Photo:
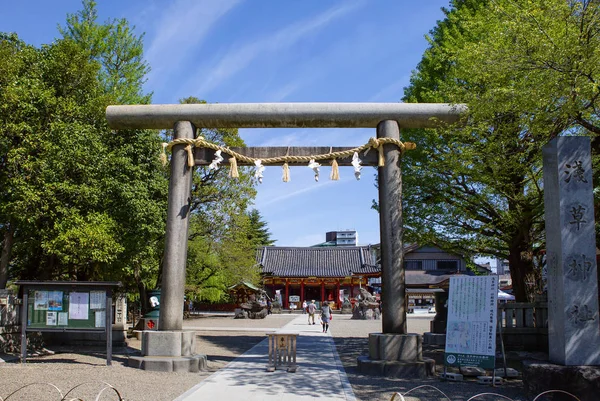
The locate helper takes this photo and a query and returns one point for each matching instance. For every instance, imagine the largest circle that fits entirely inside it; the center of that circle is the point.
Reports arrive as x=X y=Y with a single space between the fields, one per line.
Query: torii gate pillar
x=393 y=353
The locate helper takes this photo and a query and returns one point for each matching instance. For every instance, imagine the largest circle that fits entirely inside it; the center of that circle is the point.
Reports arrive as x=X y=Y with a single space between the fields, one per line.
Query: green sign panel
x=457 y=360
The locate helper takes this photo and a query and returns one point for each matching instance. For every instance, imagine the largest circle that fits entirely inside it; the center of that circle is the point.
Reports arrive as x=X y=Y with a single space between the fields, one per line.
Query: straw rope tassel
x=233 y=171
x=286 y=167
x=190 y=155
x=286 y=172
x=381 y=162
x=335 y=172
x=163 y=155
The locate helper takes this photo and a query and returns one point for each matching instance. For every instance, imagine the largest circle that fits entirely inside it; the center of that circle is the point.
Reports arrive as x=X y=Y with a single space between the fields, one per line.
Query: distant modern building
x=502 y=267
x=342 y=238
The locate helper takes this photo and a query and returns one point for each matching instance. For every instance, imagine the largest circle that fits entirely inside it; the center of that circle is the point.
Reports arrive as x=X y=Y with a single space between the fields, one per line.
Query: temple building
x=316 y=273
x=335 y=273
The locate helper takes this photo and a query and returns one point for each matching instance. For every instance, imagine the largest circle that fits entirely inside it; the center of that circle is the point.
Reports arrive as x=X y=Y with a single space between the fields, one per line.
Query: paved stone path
x=319 y=375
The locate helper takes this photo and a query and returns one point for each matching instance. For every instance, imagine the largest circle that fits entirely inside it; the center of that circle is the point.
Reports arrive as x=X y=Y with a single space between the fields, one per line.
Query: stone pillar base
x=396 y=355
x=169 y=351
x=434 y=339
x=397 y=369
x=581 y=381
x=396 y=347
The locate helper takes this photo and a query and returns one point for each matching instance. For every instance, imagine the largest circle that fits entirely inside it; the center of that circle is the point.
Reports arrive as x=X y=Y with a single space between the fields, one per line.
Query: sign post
x=471 y=329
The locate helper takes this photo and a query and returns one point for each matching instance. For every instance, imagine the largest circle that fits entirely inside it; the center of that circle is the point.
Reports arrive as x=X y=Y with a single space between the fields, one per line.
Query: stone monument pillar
x=573 y=326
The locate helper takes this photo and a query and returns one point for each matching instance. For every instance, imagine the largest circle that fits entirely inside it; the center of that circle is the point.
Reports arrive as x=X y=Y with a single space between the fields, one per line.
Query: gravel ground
x=222 y=339
x=67 y=369
x=351 y=340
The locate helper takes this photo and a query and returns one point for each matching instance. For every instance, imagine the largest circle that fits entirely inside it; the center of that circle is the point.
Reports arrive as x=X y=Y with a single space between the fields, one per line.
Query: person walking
x=312 y=309
x=326 y=316
x=304 y=305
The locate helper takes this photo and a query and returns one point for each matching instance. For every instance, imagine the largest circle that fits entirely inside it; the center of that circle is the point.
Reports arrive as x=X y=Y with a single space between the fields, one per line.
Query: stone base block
x=488 y=380
x=168 y=343
x=193 y=363
x=452 y=377
x=510 y=372
x=395 y=347
x=581 y=381
x=434 y=339
x=471 y=371
x=397 y=369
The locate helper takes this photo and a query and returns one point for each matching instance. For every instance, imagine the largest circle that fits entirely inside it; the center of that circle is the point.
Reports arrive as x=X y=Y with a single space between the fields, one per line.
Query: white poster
x=40 y=301
x=50 y=318
x=97 y=300
x=100 y=318
x=471 y=327
x=79 y=304
x=63 y=318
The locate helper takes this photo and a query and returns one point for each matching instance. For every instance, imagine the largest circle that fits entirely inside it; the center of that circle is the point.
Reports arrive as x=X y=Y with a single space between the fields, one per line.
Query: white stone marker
x=573 y=324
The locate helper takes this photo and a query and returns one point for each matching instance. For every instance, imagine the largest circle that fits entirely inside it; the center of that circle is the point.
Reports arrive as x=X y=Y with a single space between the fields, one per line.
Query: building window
x=447 y=264
x=413 y=264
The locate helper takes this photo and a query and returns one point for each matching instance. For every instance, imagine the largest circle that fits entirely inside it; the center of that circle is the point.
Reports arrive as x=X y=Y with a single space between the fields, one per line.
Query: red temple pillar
x=301 y=291
x=322 y=290
x=337 y=295
x=286 y=302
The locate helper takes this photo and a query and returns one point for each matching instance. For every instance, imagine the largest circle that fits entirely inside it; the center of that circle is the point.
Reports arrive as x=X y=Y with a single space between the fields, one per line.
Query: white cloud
x=392 y=92
x=294 y=194
x=183 y=27
x=239 y=58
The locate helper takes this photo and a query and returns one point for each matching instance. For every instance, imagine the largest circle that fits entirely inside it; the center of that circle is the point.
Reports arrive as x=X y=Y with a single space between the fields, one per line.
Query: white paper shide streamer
x=315 y=167
x=214 y=165
x=356 y=164
x=258 y=174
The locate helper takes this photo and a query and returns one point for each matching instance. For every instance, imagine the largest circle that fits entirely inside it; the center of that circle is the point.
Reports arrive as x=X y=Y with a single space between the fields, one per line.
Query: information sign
x=471 y=327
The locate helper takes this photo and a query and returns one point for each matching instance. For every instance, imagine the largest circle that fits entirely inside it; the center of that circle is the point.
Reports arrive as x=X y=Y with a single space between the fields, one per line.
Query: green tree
x=527 y=70
x=258 y=232
x=139 y=201
x=78 y=200
x=117 y=49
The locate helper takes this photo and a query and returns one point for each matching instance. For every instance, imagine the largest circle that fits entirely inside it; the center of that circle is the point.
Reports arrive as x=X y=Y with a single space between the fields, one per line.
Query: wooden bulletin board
x=61 y=306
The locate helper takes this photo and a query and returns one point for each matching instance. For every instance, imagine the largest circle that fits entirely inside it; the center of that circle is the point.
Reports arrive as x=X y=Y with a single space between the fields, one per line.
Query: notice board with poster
x=471 y=324
x=57 y=306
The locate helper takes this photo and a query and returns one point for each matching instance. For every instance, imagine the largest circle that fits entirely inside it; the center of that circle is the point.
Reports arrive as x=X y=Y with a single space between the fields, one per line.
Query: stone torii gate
x=175 y=347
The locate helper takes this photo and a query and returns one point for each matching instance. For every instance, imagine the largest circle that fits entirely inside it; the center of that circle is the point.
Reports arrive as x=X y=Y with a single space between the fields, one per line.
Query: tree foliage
x=528 y=71
x=116 y=47
x=79 y=201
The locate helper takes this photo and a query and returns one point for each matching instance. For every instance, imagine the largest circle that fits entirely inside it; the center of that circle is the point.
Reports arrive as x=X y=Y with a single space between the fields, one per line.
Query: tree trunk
x=521 y=271
x=141 y=289
x=520 y=256
x=7 y=244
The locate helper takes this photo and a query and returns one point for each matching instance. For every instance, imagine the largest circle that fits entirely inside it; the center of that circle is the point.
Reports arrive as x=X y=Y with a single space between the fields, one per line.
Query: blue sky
x=273 y=51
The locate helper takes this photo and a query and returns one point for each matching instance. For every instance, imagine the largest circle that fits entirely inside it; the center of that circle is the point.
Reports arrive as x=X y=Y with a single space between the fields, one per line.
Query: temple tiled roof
x=339 y=261
x=431 y=277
